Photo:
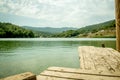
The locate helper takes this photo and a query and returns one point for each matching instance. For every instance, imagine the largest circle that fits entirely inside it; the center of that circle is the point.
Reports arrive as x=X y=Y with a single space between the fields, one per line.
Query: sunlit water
x=37 y=54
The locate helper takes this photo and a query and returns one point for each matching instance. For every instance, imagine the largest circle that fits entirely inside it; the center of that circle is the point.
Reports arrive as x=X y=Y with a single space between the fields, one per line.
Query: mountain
x=49 y=29
x=8 y=30
x=105 y=29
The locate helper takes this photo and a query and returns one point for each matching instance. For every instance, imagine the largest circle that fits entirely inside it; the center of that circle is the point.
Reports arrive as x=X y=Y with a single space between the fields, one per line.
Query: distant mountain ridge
x=101 y=30
x=49 y=29
x=105 y=29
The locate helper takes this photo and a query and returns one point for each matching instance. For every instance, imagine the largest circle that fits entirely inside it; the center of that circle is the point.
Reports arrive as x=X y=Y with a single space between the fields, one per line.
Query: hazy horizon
x=56 y=13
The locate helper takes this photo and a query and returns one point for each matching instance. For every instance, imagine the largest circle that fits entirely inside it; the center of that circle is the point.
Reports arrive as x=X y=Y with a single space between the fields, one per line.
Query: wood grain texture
x=81 y=71
x=22 y=76
x=40 y=77
x=61 y=73
x=104 y=59
x=117 y=11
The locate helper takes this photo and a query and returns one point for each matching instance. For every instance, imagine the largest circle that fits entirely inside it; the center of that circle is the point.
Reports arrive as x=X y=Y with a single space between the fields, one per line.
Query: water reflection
x=9 y=46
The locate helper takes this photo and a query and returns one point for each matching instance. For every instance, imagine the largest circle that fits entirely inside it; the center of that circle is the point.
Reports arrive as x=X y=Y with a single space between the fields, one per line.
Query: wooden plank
x=117 y=10
x=81 y=57
x=86 y=51
x=76 y=76
x=22 y=76
x=112 y=60
x=99 y=58
x=114 y=52
x=104 y=59
x=89 y=61
x=40 y=77
x=81 y=71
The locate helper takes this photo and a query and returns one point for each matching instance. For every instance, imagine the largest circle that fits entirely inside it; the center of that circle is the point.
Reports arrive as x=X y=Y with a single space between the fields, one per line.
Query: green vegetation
x=8 y=30
x=68 y=33
x=42 y=34
x=102 y=30
x=106 y=29
x=49 y=29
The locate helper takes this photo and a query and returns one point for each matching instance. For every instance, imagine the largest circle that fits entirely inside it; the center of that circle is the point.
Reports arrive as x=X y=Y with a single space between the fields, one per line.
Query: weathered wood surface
x=104 y=59
x=22 y=76
x=117 y=10
x=40 y=77
x=60 y=73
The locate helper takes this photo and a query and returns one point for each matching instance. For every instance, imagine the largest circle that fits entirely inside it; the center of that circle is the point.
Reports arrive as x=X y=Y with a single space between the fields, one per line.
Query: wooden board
x=40 y=77
x=104 y=59
x=60 y=73
x=86 y=72
x=22 y=76
x=117 y=11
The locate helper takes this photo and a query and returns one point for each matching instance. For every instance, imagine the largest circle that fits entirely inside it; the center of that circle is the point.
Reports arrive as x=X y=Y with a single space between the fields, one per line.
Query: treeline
x=42 y=34
x=106 y=29
x=49 y=29
x=86 y=30
x=8 y=30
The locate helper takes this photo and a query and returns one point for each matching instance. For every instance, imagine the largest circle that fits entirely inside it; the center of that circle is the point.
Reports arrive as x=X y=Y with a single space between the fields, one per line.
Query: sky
x=56 y=13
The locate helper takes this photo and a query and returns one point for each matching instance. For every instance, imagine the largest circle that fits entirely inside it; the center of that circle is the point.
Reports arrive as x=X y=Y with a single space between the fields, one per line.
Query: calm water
x=36 y=54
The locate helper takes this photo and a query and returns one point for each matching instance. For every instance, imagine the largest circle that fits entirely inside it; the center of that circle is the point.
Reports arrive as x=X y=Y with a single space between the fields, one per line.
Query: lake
x=18 y=55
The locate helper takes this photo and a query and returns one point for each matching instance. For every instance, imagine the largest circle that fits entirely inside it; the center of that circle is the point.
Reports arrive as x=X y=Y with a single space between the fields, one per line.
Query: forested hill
x=8 y=30
x=49 y=29
x=105 y=29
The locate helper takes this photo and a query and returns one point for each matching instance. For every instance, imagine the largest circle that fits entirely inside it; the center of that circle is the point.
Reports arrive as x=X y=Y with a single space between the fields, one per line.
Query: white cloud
x=61 y=12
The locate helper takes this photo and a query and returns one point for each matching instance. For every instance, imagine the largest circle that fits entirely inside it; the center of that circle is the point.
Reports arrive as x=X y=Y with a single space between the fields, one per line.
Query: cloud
x=61 y=12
